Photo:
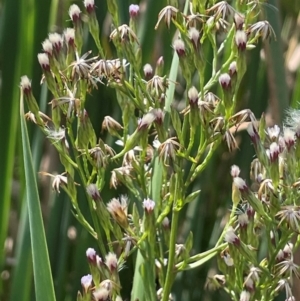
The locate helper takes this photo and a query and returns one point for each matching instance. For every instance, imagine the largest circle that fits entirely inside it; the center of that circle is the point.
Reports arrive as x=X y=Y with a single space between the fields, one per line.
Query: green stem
x=170 y=269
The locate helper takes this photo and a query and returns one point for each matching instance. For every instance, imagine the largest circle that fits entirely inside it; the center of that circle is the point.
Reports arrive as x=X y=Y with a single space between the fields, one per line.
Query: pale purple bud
x=148 y=71
x=134 y=10
x=25 y=84
x=252 y=131
x=47 y=47
x=148 y=205
x=91 y=256
x=86 y=282
x=194 y=36
x=289 y=138
x=274 y=152
x=241 y=39
x=235 y=171
x=273 y=132
x=193 y=97
x=231 y=237
x=89 y=5
x=111 y=261
x=245 y=296
x=232 y=69
x=243 y=220
x=240 y=184
x=225 y=81
x=74 y=12
x=44 y=61
x=56 y=40
x=239 y=20
x=179 y=47
x=93 y=192
x=69 y=34
x=166 y=223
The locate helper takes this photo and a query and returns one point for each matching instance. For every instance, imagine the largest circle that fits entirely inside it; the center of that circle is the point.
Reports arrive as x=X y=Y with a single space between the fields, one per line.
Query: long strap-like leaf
x=44 y=290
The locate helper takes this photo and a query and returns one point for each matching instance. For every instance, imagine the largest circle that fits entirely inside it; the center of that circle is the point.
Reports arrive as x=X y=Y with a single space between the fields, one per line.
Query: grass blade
x=44 y=289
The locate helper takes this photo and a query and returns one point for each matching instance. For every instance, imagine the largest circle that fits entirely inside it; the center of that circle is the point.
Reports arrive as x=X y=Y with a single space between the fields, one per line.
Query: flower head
x=86 y=282
x=225 y=81
x=111 y=261
x=91 y=256
x=74 y=13
x=134 y=10
x=148 y=205
x=231 y=237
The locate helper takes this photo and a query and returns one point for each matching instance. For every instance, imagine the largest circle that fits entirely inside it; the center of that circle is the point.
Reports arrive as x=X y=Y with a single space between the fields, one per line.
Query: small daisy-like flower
x=69 y=34
x=146 y=121
x=253 y=133
x=111 y=261
x=93 y=192
x=262 y=29
x=249 y=284
x=273 y=132
x=25 y=85
x=241 y=39
x=168 y=13
x=240 y=184
x=89 y=5
x=91 y=256
x=101 y=294
x=148 y=205
x=273 y=152
x=243 y=220
x=166 y=223
x=74 y=13
x=118 y=209
x=148 y=71
x=232 y=69
x=225 y=81
x=289 y=138
x=235 y=171
x=86 y=282
x=193 y=96
x=47 y=47
x=44 y=61
x=134 y=10
x=239 y=20
x=245 y=296
x=56 y=40
x=194 y=36
x=179 y=47
x=231 y=237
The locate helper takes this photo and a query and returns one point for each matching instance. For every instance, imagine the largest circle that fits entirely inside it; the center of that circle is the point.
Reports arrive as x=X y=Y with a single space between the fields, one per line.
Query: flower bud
x=241 y=40
x=91 y=256
x=225 y=81
x=86 y=282
x=148 y=205
x=93 y=192
x=111 y=261
x=134 y=10
x=148 y=71
x=179 y=47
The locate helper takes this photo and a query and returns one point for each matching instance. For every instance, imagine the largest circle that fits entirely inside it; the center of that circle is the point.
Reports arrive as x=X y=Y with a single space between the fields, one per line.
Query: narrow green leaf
x=44 y=289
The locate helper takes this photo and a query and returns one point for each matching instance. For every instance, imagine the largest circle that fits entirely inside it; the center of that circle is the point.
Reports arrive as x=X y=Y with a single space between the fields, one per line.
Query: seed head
x=168 y=13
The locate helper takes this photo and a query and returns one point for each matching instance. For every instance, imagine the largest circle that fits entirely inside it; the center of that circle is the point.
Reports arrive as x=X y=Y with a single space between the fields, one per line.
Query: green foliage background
x=267 y=87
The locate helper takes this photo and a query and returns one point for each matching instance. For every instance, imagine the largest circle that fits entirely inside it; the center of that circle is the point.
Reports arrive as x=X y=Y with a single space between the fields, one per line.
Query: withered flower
x=168 y=13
